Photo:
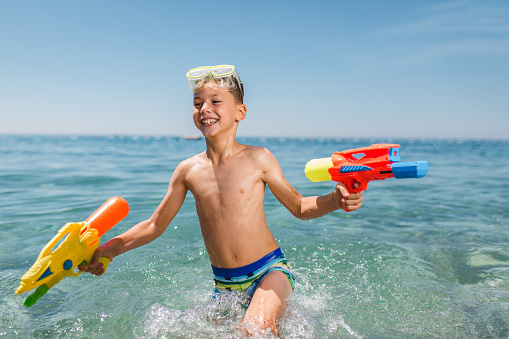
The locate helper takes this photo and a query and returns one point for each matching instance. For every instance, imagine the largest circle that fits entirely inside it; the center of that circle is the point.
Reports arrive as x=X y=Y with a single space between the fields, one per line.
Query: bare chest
x=226 y=186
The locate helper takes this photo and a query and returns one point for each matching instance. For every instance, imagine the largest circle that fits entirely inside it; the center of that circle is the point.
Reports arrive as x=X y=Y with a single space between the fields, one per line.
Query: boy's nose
x=205 y=107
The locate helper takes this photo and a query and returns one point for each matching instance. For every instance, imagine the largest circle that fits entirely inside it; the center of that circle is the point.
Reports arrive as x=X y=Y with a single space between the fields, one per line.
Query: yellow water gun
x=74 y=244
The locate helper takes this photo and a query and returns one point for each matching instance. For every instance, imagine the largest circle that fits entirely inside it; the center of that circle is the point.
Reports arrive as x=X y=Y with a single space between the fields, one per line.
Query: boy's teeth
x=208 y=121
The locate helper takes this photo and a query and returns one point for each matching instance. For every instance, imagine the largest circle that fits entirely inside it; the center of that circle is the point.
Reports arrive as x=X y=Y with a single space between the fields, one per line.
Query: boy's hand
x=346 y=200
x=95 y=267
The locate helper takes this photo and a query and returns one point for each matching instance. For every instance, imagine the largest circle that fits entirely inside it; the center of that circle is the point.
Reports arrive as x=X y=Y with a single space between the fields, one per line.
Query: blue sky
x=425 y=69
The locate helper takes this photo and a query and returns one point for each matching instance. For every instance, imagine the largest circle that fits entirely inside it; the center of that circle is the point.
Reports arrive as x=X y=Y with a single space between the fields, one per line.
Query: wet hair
x=238 y=91
x=232 y=84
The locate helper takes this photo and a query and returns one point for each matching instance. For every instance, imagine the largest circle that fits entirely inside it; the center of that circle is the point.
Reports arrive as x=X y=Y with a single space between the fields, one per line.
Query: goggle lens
x=196 y=76
x=216 y=71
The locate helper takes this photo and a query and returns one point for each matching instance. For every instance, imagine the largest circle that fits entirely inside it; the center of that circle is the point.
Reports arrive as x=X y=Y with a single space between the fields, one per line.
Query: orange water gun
x=361 y=165
x=74 y=244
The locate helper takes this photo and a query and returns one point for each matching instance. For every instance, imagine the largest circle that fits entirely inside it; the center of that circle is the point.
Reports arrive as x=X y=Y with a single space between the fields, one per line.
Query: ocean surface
x=423 y=258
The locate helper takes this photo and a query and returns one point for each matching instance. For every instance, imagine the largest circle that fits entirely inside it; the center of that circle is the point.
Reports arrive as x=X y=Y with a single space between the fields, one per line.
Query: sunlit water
x=423 y=257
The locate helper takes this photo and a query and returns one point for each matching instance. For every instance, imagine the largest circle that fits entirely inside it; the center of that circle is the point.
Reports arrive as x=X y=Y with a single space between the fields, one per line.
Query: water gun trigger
x=353 y=188
x=102 y=260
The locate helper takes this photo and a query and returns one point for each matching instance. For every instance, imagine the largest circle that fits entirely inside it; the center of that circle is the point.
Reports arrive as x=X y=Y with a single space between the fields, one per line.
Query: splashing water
x=223 y=318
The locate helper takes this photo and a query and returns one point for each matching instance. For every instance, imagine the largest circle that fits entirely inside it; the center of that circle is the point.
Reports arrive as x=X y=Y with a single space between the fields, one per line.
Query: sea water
x=422 y=258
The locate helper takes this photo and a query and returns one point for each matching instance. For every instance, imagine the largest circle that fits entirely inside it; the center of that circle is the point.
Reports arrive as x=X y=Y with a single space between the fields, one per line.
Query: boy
x=228 y=183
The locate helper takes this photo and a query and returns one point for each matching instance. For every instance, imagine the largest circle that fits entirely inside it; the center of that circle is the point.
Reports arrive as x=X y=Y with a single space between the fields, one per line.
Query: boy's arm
x=305 y=207
x=145 y=231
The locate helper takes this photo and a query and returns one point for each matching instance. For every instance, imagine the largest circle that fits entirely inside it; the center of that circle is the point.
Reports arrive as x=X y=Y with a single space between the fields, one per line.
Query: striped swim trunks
x=247 y=278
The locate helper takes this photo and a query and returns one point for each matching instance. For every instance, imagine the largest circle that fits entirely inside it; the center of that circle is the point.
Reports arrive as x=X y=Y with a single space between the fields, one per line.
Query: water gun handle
x=103 y=260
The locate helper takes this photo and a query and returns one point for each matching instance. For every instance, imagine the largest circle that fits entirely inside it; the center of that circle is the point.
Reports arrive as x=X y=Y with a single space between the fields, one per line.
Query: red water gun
x=361 y=165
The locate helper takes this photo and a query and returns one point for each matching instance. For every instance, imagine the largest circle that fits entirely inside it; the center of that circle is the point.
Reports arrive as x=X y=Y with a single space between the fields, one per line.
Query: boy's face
x=215 y=111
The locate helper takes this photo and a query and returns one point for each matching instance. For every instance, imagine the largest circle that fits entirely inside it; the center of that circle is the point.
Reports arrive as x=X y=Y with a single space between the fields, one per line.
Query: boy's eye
x=216 y=101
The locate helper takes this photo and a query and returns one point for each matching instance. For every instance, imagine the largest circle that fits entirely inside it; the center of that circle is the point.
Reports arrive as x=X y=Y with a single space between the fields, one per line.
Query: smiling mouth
x=208 y=121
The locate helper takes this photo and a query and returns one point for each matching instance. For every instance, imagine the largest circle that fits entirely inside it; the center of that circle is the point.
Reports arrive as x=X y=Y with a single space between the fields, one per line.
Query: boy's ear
x=241 y=112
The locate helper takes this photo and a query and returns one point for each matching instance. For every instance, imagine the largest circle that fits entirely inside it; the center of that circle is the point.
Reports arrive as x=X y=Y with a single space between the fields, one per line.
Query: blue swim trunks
x=247 y=278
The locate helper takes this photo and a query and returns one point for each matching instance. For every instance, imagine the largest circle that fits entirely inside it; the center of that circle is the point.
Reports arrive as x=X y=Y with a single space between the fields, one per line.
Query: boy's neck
x=219 y=149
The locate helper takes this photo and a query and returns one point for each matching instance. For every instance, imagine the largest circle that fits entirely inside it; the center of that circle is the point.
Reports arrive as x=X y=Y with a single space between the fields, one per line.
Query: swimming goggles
x=225 y=75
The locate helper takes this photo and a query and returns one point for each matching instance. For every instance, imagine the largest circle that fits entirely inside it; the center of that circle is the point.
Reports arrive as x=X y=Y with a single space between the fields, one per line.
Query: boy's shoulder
x=256 y=152
x=188 y=167
x=195 y=159
x=261 y=158
x=254 y=149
